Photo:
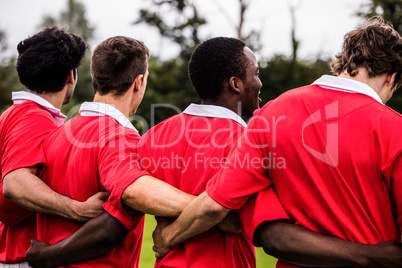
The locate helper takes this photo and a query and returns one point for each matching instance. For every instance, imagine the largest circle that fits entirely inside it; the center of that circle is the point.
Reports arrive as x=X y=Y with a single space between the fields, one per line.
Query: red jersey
x=333 y=153
x=186 y=151
x=94 y=152
x=22 y=129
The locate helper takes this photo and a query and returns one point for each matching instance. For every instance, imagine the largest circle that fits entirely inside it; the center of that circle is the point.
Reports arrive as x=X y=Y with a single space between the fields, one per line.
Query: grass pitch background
x=148 y=256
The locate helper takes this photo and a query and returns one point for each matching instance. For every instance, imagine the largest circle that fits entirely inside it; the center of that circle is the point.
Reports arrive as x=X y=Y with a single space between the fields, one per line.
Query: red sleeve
x=22 y=148
x=119 y=166
x=22 y=145
x=129 y=220
x=261 y=207
x=245 y=172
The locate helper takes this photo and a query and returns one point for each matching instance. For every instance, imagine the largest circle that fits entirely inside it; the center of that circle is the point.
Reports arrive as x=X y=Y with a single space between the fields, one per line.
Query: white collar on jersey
x=22 y=96
x=346 y=85
x=102 y=109
x=213 y=111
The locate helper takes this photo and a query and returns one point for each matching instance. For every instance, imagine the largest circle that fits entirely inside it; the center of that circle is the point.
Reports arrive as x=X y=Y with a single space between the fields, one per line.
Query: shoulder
x=27 y=116
x=172 y=123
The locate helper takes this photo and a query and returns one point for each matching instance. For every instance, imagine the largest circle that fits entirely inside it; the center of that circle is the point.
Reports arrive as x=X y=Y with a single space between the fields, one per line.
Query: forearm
x=95 y=238
x=28 y=191
x=155 y=197
x=231 y=224
x=300 y=246
x=199 y=216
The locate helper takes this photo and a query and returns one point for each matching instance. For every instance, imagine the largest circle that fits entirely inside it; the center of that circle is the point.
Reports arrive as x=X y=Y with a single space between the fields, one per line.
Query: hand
x=91 y=208
x=386 y=254
x=231 y=224
x=34 y=255
x=160 y=246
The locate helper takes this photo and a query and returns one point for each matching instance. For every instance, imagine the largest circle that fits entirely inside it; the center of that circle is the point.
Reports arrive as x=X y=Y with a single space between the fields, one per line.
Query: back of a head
x=46 y=59
x=214 y=62
x=115 y=64
x=374 y=46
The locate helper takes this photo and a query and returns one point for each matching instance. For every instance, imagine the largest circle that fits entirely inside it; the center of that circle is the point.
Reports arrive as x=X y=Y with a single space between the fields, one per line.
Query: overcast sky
x=321 y=24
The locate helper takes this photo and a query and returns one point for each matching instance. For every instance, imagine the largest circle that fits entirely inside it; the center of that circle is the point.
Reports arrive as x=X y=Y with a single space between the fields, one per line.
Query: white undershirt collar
x=22 y=96
x=346 y=85
x=103 y=109
x=213 y=111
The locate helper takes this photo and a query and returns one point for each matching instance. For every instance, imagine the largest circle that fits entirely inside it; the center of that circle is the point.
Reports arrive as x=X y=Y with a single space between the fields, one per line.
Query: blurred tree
x=8 y=75
x=253 y=38
x=390 y=10
x=294 y=71
x=3 y=43
x=169 y=92
x=74 y=20
x=9 y=82
x=277 y=76
x=184 y=30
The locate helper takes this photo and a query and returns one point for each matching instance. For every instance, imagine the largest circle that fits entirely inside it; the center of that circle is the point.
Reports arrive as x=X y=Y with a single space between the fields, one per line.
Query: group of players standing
x=81 y=190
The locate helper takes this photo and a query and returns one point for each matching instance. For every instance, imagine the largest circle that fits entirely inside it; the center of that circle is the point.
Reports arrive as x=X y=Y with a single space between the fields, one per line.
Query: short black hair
x=214 y=62
x=46 y=59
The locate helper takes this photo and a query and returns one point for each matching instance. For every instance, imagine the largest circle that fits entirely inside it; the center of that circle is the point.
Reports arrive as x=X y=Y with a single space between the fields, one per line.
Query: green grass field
x=148 y=257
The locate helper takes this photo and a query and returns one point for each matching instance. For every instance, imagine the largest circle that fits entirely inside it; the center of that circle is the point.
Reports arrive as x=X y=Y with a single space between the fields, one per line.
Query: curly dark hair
x=214 y=62
x=46 y=59
x=115 y=64
x=374 y=46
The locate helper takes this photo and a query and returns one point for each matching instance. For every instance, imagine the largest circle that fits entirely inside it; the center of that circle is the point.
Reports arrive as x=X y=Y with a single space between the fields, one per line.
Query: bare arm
x=199 y=216
x=152 y=196
x=24 y=188
x=300 y=246
x=95 y=238
x=102 y=234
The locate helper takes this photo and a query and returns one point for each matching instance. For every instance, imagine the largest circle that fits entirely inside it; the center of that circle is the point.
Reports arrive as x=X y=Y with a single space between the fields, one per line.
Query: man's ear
x=391 y=79
x=71 y=77
x=138 y=82
x=235 y=84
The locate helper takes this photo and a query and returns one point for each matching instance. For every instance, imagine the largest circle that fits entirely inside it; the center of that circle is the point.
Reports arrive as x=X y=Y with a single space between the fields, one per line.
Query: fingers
x=159 y=247
x=158 y=256
x=162 y=222
x=103 y=195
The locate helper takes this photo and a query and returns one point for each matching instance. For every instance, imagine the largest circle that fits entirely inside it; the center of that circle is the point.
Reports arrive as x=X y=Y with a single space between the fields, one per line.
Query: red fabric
x=331 y=156
x=87 y=155
x=186 y=151
x=22 y=130
x=261 y=207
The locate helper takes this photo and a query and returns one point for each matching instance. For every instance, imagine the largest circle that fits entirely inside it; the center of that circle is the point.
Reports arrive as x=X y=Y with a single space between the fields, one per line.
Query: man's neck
x=376 y=83
x=120 y=103
x=54 y=98
x=231 y=105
